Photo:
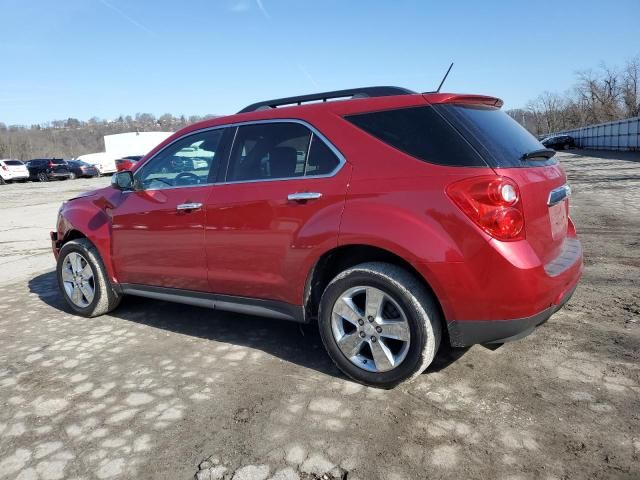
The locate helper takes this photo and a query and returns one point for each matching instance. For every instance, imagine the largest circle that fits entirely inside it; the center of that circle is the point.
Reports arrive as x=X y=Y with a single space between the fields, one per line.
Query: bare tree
x=631 y=87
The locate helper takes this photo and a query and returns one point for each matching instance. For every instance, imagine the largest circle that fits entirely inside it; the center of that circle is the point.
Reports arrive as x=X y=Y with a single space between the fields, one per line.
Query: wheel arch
x=72 y=234
x=338 y=259
x=87 y=221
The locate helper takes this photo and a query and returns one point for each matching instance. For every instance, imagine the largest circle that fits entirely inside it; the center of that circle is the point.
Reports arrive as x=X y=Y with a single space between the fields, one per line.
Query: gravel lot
x=155 y=389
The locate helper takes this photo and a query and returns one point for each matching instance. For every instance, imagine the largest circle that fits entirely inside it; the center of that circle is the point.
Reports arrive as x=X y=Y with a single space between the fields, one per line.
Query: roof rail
x=350 y=93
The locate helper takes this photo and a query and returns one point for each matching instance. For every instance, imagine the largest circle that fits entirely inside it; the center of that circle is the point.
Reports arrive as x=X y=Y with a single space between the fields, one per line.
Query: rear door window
x=279 y=150
x=420 y=132
x=322 y=160
x=501 y=140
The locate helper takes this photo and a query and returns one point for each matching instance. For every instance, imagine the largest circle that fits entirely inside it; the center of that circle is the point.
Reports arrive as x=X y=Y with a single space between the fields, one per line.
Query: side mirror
x=122 y=180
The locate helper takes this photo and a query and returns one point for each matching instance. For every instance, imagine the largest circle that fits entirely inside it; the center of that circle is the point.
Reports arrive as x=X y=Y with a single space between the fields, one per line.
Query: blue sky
x=84 y=58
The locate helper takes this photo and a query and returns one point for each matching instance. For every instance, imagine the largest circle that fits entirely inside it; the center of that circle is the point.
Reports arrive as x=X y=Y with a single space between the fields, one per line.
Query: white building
x=122 y=145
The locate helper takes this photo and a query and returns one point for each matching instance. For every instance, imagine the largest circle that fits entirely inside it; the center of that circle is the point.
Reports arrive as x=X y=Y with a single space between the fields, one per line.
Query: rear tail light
x=493 y=203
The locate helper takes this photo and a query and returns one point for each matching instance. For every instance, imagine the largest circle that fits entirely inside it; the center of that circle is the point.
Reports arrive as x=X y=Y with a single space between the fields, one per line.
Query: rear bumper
x=9 y=176
x=471 y=332
x=58 y=175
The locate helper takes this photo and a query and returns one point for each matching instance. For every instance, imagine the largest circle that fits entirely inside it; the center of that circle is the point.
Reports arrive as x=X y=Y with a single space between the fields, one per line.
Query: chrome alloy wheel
x=78 y=281
x=370 y=328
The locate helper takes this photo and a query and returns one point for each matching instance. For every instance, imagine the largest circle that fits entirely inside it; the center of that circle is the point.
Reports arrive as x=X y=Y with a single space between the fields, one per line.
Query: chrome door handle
x=303 y=196
x=189 y=206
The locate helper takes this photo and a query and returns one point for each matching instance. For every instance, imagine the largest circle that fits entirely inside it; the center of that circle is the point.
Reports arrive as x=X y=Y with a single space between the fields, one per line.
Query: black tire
x=106 y=298
x=2 y=182
x=420 y=309
x=72 y=176
x=42 y=177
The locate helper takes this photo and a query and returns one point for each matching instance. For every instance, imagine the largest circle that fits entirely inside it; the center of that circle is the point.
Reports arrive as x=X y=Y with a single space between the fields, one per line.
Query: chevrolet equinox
x=397 y=221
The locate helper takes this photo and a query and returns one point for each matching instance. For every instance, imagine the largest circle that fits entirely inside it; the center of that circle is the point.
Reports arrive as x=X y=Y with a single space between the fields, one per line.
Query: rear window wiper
x=542 y=153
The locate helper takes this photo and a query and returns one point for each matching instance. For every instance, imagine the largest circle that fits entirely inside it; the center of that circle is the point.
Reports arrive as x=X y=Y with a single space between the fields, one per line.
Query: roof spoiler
x=464 y=99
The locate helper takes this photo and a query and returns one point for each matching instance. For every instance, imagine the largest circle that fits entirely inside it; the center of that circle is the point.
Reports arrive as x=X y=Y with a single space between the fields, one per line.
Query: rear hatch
x=513 y=152
x=58 y=166
x=16 y=167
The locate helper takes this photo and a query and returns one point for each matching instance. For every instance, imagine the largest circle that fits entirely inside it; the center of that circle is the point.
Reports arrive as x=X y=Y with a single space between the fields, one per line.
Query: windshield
x=501 y=140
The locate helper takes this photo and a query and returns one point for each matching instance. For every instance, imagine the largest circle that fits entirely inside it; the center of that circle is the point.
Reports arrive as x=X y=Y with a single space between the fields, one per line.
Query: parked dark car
x=127 y=163
x=45 y=169
x=559 y=142
x=80 y=169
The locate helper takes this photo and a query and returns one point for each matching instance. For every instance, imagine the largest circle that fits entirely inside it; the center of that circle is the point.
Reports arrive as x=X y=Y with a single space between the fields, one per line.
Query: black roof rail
x=362 y=92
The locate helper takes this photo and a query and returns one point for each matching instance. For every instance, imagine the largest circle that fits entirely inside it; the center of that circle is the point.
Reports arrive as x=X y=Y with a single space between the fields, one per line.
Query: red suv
x=395 y=220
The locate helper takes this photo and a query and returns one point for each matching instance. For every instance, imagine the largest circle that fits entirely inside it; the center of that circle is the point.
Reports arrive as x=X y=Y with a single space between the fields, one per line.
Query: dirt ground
x=155 y=389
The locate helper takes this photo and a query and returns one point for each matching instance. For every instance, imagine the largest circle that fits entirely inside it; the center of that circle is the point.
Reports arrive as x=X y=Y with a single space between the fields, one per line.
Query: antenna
x=445 y=77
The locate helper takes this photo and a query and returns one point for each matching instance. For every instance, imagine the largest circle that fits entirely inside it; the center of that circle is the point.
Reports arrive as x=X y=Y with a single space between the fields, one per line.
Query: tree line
x=72 y=137
x=599 y=95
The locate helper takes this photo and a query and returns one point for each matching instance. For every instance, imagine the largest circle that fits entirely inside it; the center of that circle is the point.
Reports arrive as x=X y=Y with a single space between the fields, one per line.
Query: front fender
x=90 y=216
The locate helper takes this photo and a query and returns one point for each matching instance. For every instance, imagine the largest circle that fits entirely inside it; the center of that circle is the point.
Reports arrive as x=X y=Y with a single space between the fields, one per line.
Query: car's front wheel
x=42 y=177
x=83 y=280
x=379 y=324
x=72 y=176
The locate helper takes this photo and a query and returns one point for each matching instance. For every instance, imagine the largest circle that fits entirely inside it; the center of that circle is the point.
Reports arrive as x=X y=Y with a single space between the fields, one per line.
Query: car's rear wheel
x=72 y=176
x=379 y=324
x=566 y=146
x=2 y=182
x=42 y=177
x=83 y=280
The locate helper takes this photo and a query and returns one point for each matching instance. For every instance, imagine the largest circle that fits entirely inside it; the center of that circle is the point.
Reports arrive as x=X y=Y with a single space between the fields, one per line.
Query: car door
x=158 y=229
x=280 y=204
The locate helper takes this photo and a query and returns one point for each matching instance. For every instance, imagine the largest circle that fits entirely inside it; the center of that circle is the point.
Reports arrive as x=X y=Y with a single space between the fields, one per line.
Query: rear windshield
x=420 y=132
x=58 y=161
x=499 y=138
x=15 y=163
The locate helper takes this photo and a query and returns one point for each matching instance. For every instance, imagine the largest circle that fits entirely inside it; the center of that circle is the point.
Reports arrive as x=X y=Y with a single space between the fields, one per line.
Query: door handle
x=188 y=206
x=303 y=196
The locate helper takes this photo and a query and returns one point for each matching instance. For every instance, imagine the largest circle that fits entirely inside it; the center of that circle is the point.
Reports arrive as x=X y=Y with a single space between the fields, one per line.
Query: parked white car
x=13 y=170
x=103 y=161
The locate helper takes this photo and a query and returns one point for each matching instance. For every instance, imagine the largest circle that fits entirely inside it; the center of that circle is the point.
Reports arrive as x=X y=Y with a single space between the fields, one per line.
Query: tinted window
x=269 y=151
x=191 y=160
x=499 y=137
x=58 y=161
x=15 y=163
x=322 y=160
x=420 y=132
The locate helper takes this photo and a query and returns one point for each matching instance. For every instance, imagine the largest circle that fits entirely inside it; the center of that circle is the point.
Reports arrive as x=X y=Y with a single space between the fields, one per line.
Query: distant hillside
x=72 y=137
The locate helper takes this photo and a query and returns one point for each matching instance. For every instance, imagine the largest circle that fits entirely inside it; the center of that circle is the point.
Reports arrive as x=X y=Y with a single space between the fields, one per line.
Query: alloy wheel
x=43 y=177
x=78 y=280
x=370 y=329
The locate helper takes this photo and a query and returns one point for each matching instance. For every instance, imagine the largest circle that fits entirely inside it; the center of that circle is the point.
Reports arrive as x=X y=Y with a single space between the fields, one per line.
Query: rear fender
x=428 y=239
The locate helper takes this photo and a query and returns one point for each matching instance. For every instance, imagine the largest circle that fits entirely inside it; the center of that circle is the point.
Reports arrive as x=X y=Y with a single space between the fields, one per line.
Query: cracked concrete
x=165 y=391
